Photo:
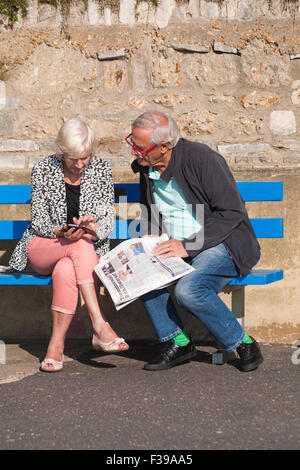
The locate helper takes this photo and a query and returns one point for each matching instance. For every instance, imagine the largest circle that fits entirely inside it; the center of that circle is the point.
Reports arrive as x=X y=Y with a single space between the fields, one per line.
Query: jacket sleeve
x=40 y=215
x=105 y=210
x=223 y=209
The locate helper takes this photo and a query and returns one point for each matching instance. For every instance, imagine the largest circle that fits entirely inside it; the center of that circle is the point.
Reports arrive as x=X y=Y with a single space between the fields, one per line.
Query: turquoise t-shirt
x=178 y=218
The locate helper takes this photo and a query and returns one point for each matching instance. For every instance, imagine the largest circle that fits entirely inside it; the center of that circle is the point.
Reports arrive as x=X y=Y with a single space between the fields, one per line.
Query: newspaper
x=130 y=270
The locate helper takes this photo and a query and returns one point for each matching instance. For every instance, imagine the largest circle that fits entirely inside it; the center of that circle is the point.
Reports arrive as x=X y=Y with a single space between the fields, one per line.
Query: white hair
x=74 y=138
x=164 y=127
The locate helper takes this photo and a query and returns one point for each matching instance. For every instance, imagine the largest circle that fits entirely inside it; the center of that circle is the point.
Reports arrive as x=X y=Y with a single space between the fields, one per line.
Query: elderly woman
x=70 y=187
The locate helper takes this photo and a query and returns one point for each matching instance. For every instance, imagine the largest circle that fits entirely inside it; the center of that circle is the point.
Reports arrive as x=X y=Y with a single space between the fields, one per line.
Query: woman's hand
x=71 y=234
x=89 y=222
x=74 y=234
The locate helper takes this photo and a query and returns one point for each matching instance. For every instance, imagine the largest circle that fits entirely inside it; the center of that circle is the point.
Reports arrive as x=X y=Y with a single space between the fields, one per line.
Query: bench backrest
x=250 y=191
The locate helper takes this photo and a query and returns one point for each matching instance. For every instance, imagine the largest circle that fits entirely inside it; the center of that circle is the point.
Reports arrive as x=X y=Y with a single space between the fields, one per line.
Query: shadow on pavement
x=140 y=350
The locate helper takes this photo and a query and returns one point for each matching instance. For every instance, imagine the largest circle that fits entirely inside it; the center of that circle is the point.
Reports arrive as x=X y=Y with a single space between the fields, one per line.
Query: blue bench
x=129 y=192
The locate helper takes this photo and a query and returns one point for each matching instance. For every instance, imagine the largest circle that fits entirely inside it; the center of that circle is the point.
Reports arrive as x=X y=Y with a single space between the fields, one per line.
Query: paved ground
x=108 y=402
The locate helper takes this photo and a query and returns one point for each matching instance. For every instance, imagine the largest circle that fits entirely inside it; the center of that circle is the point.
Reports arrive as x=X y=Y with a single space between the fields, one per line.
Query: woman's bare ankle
x=55 y=352
x=105 y=333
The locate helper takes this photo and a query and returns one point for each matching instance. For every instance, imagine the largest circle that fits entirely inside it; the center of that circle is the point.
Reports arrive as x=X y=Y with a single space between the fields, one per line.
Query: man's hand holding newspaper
x=131 y=269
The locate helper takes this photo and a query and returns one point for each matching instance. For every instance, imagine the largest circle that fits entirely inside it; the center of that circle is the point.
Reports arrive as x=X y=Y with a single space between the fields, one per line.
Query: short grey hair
x=74 y=138
x=164 y=127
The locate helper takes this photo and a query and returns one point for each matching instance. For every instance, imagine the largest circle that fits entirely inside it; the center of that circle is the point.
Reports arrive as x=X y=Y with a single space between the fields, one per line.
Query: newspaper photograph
x=130 y=270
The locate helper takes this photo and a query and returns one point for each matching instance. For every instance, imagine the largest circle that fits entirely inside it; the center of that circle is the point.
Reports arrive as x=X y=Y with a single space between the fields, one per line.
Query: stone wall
x=227 y=71
x=233 y=83
x=133 y=12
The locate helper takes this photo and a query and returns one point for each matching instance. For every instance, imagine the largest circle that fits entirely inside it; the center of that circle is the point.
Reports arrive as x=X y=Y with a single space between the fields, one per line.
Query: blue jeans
x=197 y=293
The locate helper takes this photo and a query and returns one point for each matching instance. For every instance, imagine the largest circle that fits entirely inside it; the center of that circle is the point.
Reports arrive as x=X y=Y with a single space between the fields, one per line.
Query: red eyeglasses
x=136 y=149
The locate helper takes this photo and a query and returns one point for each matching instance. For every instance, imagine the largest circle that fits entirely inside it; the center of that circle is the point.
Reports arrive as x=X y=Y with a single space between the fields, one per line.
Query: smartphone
x=82 y=227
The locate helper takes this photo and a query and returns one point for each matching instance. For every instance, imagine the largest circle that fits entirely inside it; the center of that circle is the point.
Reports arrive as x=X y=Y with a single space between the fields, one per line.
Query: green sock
x=181 y=339
x=247 y=339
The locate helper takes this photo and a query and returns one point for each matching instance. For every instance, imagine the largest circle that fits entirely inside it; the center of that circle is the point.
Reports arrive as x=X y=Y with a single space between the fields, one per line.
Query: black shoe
x=171 y=356
x=250 y=355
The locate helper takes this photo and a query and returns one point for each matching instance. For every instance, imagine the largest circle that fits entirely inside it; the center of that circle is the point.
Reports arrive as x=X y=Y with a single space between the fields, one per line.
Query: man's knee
x=187 y=292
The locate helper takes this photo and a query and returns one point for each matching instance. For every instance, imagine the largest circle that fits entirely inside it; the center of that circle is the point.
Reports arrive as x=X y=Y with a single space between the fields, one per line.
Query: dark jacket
x=204 y=178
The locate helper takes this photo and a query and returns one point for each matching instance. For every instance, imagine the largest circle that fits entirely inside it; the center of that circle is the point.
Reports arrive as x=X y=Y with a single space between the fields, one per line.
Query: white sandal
x=111 y=347
x=57 y=365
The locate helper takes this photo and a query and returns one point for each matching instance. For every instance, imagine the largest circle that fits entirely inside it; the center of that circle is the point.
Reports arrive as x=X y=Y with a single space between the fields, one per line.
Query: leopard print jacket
x=49 y=204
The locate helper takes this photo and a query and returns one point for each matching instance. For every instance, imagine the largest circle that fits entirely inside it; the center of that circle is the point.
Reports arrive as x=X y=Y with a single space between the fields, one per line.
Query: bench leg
x=238 y=304
x=221 y=356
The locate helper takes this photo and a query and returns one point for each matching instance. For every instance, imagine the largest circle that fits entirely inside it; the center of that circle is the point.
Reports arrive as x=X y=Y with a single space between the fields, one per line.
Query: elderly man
x=190 y=193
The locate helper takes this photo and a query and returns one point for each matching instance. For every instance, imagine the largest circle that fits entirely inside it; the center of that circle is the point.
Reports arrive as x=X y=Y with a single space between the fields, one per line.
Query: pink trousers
x=70 y=263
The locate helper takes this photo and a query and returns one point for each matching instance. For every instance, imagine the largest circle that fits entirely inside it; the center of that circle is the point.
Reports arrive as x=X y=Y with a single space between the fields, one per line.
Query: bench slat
x=250 y=191
x=15 y=194
x=264 y=228
x=130 y=190
x=268 y=227
x=24 y=280
x=261 y=191
x=12 y=229
x=257 y=277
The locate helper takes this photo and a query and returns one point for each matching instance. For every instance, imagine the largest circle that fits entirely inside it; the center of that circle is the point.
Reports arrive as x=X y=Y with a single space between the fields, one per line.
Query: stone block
x=254 y=159
x=294 y=56
x=204 y=70
x=116 y=162
x=229 y=10
x=78 y=14
x=290 y=144
x=209 y=143
x=209 y=10
x=49 y=15
x=112 y=55
x=195 y=123
x=283 y=122
x=296 y=96
x=13 y=145
x=127 y=12
x=113 y=116
x=292 y=159
x=34 y=160
x=140 y=69
x=164 y=12
x=93 y=12
x=2 y=95
x=107 y=16
x=243 y=148
x=11 y=104
x=263 y=68
x=194 y=8
x=191 y=48
x=145 y=12
x=246 y=10
x=12 y=161
x=32 y=12
x=171 y=100
x=6 y=123
x=220 y=47
x=260 y=98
